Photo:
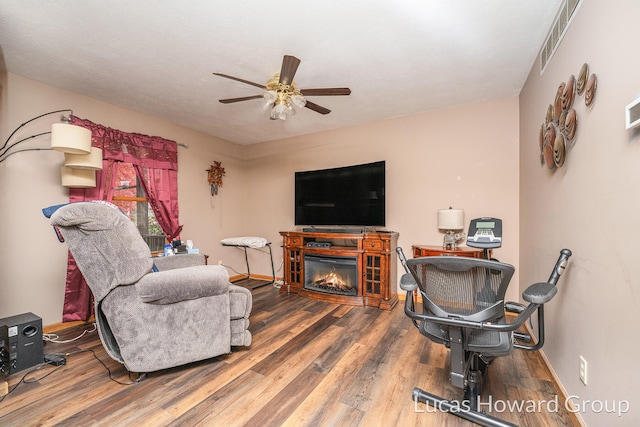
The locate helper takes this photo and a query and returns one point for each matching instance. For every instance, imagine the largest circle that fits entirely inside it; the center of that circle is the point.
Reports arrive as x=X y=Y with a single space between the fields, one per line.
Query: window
x=130 y=197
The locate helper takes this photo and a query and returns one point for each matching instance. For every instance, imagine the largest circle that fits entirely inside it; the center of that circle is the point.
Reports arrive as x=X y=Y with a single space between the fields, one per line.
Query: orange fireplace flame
x=333 y=280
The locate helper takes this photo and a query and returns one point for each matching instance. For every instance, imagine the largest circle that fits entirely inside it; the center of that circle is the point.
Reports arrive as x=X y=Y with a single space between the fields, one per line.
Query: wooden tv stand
x=376 y=264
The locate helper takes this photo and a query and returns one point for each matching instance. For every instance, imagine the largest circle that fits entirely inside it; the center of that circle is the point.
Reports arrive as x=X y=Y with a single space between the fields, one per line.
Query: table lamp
x=451 y=221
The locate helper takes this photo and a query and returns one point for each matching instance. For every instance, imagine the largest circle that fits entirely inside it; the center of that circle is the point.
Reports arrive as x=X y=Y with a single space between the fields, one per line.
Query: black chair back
x=461 y=287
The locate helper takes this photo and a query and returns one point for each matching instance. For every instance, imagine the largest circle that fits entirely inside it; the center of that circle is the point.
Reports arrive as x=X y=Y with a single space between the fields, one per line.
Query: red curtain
x=162 y=194
x=160 y=158
x=78 y=300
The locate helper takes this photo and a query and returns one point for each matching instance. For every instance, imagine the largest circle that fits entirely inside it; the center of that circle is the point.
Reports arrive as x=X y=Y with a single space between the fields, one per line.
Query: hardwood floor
x=310 y=364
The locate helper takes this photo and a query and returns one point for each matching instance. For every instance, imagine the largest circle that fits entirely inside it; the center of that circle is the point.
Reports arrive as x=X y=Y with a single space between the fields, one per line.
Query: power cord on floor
x=59 y=360
x=54 y=338
x=24 y=379
x=141 y=376
x=278 y=283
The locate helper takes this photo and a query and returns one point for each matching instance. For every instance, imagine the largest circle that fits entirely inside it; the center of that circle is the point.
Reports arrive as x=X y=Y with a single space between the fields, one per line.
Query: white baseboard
x=575 y=414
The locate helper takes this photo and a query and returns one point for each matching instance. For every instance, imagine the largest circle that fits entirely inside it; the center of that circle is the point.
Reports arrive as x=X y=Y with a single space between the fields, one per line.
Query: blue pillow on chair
x=51 y=209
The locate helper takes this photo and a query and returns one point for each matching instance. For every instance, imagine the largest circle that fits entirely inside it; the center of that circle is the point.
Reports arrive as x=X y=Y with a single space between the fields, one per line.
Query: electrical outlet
x=219 y=262
x=583 y=370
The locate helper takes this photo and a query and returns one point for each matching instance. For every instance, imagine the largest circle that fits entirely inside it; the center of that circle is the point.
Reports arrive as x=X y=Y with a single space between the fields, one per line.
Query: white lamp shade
x=78 y=178
x=270 y=97
x=451 y=219
x=93 y=160
x=299 y=101
x=70 y=139
x=279 y=111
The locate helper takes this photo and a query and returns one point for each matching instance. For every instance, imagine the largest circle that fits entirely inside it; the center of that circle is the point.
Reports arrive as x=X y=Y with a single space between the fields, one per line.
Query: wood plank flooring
x=310 y=364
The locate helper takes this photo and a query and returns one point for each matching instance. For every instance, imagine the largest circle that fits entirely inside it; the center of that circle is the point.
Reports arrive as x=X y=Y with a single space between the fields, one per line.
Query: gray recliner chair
x=150 y=320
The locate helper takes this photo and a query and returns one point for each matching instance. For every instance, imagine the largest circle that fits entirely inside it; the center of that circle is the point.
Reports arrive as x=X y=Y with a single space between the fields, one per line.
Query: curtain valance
x=138 y=149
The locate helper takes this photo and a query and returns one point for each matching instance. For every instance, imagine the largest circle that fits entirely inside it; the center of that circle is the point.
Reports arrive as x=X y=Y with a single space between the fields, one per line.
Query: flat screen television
x=344 y=196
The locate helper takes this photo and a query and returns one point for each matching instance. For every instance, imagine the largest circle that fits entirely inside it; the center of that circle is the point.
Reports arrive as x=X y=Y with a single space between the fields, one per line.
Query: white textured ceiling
x=398 y=57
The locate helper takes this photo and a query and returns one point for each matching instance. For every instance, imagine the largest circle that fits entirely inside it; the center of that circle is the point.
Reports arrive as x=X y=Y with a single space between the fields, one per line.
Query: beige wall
x=591 y=206
x=465 y=157
x=32 y=262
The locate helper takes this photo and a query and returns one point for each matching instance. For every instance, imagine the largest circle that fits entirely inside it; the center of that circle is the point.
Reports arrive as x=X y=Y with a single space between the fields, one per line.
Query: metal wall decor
x=558 y=132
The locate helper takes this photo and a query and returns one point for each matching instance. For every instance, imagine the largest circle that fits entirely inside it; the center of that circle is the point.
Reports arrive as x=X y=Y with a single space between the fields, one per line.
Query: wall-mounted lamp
x=81 y=159
x=451 y=221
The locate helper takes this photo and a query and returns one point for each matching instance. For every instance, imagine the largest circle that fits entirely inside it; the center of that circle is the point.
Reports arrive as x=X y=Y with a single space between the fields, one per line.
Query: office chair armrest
x=408 y=283
x=540 y=293
x=472 y=324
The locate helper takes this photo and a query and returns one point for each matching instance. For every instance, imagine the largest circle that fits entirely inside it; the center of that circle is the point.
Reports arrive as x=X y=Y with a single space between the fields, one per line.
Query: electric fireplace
x=353 y=267
x=331 y=274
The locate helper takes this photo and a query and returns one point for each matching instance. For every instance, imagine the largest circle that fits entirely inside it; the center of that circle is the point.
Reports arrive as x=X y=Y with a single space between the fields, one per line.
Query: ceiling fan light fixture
x=280 y=95
x=279 y=111
x=270 y=97
x=298 y=100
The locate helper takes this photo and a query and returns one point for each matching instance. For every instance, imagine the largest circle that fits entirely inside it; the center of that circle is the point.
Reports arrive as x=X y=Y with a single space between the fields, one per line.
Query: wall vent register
x=560 y=26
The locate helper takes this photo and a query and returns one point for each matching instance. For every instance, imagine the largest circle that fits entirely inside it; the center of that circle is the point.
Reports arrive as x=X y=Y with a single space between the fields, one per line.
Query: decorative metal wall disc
x=557 y=103
x=559 y=150
x=549 y=135
x=558 y=133
x=582 y=79
x=547 y=145
x=547 y=152
x=562 y=121
x=570 y=125
x=568 y=94
x=590 y=90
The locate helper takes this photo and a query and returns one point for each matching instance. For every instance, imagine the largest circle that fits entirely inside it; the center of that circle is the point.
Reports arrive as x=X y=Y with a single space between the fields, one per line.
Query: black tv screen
x=345 y=196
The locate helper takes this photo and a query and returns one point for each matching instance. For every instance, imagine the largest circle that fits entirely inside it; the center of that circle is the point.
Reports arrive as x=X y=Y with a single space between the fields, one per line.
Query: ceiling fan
x=282 y=95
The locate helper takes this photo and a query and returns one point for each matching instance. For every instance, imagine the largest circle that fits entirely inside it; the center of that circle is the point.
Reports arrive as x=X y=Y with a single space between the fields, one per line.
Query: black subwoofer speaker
x=20 y=342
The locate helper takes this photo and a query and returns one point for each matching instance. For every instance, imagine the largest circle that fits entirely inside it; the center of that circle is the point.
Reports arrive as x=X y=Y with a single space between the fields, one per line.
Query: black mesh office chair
x=463 y=308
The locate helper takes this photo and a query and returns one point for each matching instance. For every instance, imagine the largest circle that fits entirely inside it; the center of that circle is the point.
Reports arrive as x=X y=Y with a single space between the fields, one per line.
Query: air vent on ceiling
x=558 y=30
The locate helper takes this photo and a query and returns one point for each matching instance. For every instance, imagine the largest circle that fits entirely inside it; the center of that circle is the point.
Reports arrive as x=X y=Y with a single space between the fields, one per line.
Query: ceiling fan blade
x=244 y=98
x=289 y=68
x=329 y=91
x=317 y=108
x=241 y=80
